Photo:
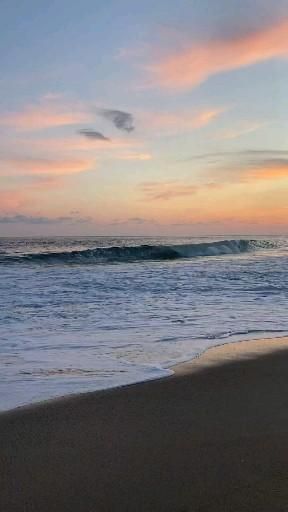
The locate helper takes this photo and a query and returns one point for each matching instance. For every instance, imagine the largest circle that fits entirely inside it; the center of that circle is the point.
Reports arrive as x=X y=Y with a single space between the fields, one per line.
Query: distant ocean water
x=80 y=314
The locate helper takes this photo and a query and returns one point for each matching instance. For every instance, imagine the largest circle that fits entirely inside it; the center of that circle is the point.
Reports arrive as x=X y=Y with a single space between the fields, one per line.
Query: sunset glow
x=182 y=125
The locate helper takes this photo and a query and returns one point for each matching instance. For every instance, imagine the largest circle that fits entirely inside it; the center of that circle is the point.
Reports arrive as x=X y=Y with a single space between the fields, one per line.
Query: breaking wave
x=118 y=254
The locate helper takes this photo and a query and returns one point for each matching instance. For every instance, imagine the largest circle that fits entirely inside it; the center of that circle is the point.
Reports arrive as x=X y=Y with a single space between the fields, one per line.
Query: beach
x=211 y=437
x=143 y=256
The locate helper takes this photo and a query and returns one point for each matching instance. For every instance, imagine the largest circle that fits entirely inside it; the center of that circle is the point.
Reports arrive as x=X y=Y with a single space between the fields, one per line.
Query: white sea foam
x=72 y=328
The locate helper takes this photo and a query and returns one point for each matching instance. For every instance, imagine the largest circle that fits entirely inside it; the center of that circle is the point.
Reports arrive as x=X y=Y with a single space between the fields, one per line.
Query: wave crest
x=118 y=254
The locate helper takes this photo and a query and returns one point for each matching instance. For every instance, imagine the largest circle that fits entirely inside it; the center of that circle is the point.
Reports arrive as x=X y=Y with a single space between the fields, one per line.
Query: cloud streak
x=247 y=172
x=269 y=169
x=135 y=156
x=189 y=67
x=243 y=129
x=155 y=191
x=37 y=166
x=244 y=153
x=173 y=123
x=249 y=167
x=252 y=167
x=77 y=143
x=42 y=116
x=12 y=199
x=89 y=133
x=132 y=220
x=31 y=219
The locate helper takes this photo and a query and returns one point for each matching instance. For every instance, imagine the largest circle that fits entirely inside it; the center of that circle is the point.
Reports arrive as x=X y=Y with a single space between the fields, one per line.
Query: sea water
x=80 y=314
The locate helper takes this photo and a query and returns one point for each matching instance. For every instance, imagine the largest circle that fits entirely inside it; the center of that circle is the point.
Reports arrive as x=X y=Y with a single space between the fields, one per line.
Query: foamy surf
x=80 y=314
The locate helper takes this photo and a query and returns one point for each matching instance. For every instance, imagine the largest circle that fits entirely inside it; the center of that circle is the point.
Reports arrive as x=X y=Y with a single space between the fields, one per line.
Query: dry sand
x=213 y=437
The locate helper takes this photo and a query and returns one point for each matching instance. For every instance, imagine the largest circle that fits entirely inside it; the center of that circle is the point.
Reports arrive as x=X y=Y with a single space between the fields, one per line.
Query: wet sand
x=212 y=437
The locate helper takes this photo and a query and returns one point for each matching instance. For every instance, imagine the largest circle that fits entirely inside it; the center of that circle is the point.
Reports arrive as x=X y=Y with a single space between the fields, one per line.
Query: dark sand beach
x=212 y=437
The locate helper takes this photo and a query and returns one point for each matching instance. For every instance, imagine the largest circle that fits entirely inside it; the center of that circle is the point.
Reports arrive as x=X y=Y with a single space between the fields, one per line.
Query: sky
x=124 y=117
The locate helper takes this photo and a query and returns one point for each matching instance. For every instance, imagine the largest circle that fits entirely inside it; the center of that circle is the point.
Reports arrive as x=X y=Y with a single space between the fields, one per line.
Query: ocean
x=86 y=313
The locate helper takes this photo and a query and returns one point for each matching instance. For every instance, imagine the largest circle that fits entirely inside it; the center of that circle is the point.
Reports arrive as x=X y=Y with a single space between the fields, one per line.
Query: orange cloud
x=180 y=122
x=78 y=143
x=247 y=173
x=271 y=170
x=244 y=129
x=253 y=170
x=192 y=66
x=246 y=166
x=36 y=166
x=43 y=116
x=155 y=190
x=135 y=156
x=10 y=200
x=26 y=193
x=165 y=191
x=45 y=182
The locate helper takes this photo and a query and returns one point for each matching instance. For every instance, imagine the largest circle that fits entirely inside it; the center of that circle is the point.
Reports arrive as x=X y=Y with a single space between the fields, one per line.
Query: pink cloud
x=270 y=170
x=27 y=193
x=180 y=121
x=10 y=200
x=77 y=143
x=251 y=170
x=37 y=166
x=243 y=129
x=167 y=190
x=135 y=156
x=44 y=115
x=190 y=67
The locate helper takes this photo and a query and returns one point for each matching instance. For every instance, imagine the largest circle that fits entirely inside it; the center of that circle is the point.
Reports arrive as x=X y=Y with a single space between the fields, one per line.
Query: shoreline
x=231 y=350
x=197 y=361
x=213 y=436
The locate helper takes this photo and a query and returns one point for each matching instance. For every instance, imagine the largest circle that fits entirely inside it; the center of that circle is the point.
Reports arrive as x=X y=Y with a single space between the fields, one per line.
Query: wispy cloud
x=244 y=128
x=39 y=219
x=77 y=143
x=10 y=200
x=37 y=166
x=122 y=120
x=89 y=133
x=269 y=169
x=132 y=220
x=172 y=123
x=135 y=156
x=156 y=191
x=249 y=166
x=193 y=65
x=246 y=172
x=244 y=153
x=42 y=116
